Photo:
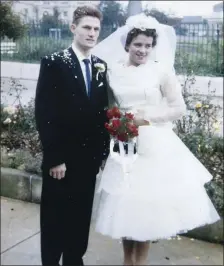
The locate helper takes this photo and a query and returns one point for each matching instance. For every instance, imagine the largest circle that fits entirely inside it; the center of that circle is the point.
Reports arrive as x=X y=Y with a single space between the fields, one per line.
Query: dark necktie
x=88 y=76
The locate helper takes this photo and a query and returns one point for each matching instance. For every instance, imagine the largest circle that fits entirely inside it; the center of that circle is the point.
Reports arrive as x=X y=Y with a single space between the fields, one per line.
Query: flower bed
x=20 y=145
x=199 y=131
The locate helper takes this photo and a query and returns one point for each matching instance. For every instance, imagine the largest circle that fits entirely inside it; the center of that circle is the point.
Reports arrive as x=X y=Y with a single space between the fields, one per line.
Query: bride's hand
x=141 y=122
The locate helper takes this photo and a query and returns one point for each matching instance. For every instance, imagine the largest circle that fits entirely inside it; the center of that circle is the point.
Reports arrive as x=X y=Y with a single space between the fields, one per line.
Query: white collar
x=80 y=55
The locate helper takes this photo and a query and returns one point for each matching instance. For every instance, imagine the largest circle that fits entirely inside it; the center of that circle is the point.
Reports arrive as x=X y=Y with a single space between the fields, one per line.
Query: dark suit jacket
x=70 y=124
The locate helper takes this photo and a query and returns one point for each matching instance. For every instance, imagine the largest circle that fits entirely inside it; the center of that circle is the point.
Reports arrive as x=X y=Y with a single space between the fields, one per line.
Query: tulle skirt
x=161 y=194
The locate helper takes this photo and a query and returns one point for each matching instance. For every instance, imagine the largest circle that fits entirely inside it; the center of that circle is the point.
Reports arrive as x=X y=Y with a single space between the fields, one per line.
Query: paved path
x=20 y=243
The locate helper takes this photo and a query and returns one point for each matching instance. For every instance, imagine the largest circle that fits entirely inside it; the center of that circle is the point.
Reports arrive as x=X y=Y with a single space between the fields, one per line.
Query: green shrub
x=206 y=61
x=11 y=25
x=19 y=137
x=198 y=129
x=21 y=159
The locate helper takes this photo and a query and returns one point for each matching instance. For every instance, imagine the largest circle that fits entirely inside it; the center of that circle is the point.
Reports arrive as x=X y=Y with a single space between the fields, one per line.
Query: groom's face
x=86 y=32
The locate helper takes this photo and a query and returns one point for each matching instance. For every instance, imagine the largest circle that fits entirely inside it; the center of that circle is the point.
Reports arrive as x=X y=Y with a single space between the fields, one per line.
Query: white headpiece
x=142 y=22
x=112 y=49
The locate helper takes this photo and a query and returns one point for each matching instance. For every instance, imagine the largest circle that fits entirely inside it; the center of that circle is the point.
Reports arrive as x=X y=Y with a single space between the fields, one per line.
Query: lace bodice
x=150 y=91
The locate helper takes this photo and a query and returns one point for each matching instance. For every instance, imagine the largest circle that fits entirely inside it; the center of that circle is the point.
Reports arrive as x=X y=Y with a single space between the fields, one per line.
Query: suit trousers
x=65 y=216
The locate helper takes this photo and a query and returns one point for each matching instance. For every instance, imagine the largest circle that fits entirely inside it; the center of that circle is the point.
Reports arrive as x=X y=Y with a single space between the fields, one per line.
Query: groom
x=71 y=98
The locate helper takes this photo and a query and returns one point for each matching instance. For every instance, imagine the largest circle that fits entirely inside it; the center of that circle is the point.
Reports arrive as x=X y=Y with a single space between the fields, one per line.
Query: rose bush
x=200 y=130
x=20 y=145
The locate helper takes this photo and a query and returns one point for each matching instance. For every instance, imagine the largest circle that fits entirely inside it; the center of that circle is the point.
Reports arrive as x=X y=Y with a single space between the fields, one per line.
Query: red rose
x=116 y=123
x=110 y=113
x=122 y=137
x=132 y=129
x=112 y=131
x=130 y=126
x=116 y=112
x=135 y=133
x=107 y=126
x=129 y=116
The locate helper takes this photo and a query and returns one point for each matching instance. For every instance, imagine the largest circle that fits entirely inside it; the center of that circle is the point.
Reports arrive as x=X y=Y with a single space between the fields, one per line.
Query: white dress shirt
x=80 y=57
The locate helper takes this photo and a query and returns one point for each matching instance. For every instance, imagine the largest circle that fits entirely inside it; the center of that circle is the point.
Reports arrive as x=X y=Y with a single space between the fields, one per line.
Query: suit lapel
x=77 y=71
x=94 y=81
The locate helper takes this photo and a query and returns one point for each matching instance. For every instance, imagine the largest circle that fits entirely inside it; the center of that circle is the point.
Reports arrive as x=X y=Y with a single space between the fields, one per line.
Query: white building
x=216 y=15
x=34 y=10
x=195 y=25
x=215 y=20
x=218 y=8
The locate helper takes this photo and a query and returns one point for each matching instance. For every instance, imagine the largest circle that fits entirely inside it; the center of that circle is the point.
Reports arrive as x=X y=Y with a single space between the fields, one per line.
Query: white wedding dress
x=163 y=194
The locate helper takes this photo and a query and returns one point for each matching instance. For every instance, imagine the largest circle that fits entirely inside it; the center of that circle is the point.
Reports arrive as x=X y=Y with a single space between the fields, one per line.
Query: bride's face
x=139 y=49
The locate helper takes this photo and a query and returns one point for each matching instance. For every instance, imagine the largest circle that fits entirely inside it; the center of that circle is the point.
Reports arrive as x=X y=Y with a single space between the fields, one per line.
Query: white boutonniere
x=100 y=69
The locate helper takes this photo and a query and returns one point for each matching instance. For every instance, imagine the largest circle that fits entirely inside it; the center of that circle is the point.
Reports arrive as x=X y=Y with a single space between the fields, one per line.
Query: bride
x=163 y=193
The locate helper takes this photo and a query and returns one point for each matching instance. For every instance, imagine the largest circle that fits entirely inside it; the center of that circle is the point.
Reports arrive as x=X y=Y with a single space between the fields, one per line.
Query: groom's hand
x=58 y=172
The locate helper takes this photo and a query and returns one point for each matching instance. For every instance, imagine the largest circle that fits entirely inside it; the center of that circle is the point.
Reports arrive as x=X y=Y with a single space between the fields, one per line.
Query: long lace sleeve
x=175 y=107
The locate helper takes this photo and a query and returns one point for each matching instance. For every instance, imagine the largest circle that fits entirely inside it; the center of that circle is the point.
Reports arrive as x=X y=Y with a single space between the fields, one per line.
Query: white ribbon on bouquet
x=126 y=160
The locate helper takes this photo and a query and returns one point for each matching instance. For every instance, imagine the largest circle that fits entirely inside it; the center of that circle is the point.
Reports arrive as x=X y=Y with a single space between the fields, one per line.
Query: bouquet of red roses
x=121 y=125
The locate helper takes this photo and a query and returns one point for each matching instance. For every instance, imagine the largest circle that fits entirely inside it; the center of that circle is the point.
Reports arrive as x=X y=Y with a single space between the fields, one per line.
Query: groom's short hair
x=86 y=10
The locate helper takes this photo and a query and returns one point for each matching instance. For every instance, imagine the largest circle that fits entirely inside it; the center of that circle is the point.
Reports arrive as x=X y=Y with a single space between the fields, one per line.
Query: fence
x=199 y=46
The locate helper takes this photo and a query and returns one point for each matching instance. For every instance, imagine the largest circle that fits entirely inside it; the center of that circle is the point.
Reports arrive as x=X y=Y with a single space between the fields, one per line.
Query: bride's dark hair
x=135 y=32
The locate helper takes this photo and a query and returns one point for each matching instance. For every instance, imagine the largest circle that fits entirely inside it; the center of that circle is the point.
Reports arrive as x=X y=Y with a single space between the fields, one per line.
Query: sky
x=182 y=8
